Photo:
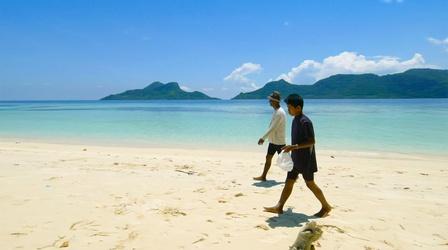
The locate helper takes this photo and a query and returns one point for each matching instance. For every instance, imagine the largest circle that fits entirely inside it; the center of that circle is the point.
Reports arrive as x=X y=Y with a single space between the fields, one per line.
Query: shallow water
x=398 y=125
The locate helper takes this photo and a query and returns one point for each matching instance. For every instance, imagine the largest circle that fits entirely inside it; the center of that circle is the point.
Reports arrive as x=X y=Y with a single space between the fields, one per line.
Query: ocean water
x=399 y=125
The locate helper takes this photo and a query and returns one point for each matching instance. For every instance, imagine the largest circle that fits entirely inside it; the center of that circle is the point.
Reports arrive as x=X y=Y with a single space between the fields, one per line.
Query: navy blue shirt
x=302 y=131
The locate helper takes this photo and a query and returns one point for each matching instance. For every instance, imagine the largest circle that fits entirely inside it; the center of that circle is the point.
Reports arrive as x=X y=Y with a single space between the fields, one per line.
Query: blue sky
x=58 y=50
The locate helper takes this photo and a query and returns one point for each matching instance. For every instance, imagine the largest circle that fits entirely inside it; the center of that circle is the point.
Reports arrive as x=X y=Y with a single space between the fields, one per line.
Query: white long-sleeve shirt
x=276 y=130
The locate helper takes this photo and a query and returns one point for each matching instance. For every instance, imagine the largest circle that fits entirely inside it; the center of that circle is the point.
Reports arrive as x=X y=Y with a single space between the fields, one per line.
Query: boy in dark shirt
x=303 y=156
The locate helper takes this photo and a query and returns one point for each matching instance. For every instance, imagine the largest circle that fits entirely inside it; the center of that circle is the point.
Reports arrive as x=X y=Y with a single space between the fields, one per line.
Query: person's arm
x=307 y=144
x=273 y=125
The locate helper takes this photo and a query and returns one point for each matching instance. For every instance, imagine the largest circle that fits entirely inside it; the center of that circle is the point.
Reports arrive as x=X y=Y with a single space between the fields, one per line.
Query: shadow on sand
x=288 y=219
x=267 y=184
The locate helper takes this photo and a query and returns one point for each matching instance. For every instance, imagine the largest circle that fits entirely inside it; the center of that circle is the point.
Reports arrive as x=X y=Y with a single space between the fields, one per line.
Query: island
x=413 y=83
x=159 y=91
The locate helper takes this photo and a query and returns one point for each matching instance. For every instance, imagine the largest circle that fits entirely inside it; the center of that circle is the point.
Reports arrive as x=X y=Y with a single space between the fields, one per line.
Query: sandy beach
x=97 y=197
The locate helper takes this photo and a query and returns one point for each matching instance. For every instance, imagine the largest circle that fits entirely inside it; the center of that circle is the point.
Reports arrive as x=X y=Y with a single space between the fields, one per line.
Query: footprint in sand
x=121 y=210
x=54 y=178
x=101 y=234
x=84 y=224
x=199 y=240
x=186 y=169
x=234 y=215
x=19 y=234
x=171 y=211
x=262 y=227
x=350 y=175
x=132 y=235
x=236 y=183
x=59 y=243
x=222 y=201
x=200 y=190
x=202 y=238
x=388 y=243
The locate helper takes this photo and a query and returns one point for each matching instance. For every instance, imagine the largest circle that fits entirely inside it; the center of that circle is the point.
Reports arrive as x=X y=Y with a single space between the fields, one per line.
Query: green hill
x=414 y=83
x=159 y=91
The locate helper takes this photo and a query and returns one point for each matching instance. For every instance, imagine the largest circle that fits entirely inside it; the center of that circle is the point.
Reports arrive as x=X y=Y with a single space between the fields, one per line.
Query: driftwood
x=309 y=234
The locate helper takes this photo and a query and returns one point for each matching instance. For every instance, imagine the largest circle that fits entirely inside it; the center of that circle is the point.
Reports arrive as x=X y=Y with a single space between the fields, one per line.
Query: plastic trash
x=284 y=161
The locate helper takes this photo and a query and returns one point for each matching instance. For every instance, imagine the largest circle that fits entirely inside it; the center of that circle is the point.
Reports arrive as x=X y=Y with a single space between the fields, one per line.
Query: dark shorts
x=294 y=174
x=274 y=148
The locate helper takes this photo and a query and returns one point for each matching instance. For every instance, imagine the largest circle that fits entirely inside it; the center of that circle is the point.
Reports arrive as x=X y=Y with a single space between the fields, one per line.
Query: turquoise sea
x=403 y=126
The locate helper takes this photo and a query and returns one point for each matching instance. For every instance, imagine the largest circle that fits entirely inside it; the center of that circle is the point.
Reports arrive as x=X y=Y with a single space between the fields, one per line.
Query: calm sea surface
x=405 y=126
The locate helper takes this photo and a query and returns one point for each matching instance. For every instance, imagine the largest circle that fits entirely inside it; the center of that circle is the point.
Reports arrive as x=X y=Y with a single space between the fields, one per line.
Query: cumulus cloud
x=438 y=42
x=239 y=75
x=346 y=62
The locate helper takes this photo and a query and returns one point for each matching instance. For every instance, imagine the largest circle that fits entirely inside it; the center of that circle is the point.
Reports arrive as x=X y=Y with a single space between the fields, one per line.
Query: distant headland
x=159 y=91
x=413 y=83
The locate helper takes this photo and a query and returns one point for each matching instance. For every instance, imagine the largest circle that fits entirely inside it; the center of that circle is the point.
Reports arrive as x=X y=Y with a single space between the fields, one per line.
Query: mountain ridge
x=413 y=83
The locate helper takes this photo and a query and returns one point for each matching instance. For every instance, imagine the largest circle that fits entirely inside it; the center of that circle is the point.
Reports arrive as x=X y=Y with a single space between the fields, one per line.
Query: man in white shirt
x=275 y=133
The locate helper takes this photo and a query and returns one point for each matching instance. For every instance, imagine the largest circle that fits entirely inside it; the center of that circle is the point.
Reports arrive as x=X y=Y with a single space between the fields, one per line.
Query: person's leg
x=267 y=166
x=326 y=208
x=286 y=192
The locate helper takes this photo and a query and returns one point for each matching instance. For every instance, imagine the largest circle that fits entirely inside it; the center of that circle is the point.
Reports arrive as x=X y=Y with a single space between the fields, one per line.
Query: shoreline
x=226 y=148
x=103 y=197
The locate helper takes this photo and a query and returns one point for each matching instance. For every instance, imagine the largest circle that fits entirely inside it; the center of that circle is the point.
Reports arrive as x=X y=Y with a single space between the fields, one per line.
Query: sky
x=88 y=49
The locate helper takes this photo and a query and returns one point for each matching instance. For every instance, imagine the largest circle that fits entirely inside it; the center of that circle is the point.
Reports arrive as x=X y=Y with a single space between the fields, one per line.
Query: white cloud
x=346 y=62
x=184 y=88
x=438 y=42
x=239 y=75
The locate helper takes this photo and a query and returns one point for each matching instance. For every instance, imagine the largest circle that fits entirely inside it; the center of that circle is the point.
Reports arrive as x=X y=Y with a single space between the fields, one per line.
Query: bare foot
x=275 y=210
x=323 y=212
x=260 y=178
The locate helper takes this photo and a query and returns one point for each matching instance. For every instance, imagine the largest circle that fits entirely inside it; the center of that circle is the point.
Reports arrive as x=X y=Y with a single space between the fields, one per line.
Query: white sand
x=97 y=197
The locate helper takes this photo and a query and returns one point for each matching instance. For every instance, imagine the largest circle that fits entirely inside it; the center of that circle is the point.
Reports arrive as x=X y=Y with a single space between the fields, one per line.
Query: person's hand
x=288 y=148
x=261 y=141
